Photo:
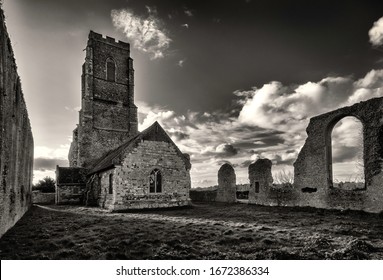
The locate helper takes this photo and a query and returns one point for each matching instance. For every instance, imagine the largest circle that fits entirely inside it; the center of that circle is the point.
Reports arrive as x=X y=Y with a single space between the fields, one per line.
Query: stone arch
x=329 y=145
x=311 y=167
x=155 y=181
x=111 y=69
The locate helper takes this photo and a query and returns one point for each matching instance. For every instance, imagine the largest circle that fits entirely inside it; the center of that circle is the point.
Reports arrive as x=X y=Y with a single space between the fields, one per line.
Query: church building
x=112 y=164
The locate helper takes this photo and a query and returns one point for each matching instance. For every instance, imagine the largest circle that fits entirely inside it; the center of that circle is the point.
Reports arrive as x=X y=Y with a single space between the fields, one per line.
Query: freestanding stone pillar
x=260 y=180
x=226 y=184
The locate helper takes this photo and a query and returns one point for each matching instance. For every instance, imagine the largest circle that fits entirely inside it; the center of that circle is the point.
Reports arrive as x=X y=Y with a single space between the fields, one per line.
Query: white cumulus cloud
x=288 y=108
x=145 y=34
x=376 y=33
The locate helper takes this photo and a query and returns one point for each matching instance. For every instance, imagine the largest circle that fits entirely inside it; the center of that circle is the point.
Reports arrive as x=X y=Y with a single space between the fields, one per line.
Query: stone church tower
x=108 y=115
x=112 y=164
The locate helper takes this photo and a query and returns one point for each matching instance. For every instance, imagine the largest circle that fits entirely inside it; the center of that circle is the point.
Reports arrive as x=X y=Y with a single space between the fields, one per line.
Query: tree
x=46 y=185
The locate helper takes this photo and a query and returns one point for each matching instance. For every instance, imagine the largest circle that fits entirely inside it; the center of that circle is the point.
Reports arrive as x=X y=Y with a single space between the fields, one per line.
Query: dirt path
x=215 y=231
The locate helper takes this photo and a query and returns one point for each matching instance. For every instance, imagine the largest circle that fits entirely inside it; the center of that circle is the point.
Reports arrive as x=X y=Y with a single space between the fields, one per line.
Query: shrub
x=46 y=185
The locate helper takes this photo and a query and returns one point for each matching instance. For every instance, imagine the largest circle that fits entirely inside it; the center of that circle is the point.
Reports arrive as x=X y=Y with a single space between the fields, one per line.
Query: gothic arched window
x=110 y=70
x=110 y=183
x=155 y=181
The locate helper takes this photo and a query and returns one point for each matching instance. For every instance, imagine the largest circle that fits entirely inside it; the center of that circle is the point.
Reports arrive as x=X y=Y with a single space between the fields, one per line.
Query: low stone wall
x=69 y=194
x=43 y=198
x=203 y=195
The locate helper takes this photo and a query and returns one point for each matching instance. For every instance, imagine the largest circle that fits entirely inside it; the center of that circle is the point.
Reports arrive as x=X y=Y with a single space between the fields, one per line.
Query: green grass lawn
x=203 y=231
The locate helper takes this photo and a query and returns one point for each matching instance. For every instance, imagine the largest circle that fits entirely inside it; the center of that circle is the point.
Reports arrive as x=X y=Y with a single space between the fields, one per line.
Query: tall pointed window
x=155 y=181
x=110 y=70
x=110 y=183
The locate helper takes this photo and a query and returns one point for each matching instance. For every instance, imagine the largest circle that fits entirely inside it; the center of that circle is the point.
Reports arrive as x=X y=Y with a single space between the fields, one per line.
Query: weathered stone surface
x=261 y=180
x=119 y=161
x=226 y=184
x=16 y=140
x=39 y=197
x=209 y=195
x=108 y=115
x=131 y=179
x=70 y=185
x=313 y=167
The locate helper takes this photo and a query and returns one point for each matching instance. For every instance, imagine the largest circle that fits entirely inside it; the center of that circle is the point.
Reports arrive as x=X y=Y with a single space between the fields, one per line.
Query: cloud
x=188 y=12
x=145 y=34
x=288 y=108
x=178 y=135
x=226 y=150
x=44 y=164
x=60 y=152
x=376 y=33
x=268 y=122
x=181 y=62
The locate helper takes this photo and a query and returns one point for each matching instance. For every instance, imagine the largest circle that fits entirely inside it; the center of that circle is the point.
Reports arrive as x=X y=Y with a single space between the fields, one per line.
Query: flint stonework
x=226 y=184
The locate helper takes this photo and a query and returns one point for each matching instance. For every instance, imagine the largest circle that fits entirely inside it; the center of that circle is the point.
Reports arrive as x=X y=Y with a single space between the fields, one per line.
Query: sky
x=230 y=81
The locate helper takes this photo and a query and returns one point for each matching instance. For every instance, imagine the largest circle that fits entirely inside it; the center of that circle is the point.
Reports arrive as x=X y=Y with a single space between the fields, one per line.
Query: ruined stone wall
x=106 y=199
x=227 y=188
x=70 y=194
x=203 y=195
x=73 y=150
x=16 y=140
x=313 y=168
x=108 y=115
x=131 y=179
x=39 y=197
x=260 y=181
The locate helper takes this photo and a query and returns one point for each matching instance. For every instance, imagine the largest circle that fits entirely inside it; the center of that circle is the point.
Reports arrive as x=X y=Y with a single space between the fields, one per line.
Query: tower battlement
x=108 y=40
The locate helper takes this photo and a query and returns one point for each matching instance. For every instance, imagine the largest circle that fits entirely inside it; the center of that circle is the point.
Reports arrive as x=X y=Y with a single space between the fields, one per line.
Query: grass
x=203 y=231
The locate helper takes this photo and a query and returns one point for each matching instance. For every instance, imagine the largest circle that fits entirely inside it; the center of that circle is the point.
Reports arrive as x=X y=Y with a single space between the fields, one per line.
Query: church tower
x=108 y=116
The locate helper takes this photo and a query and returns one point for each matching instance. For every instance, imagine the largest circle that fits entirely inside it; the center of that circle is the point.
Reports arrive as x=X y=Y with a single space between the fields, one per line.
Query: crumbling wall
x=39 y=197
x=313 y=167
x=226 y=184
x=261 y=179
x=203 y=195
x=16 y=141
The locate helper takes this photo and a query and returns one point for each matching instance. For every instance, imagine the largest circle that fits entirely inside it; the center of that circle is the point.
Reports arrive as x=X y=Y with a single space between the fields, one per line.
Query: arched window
x=155 y=181
x=346 y=159
x=110 y=70
x=110 y=183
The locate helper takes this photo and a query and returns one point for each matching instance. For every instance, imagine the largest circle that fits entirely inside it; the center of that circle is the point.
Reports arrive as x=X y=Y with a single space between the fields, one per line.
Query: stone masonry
x=313 y=167
x=261 y=180
x=123 y=177
x=124 y=168
x=226 y=184
x=108 y=115
x=16 y=140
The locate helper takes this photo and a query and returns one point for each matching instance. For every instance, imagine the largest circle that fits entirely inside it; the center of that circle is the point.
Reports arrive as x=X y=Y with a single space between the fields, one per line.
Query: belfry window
x=155 y=181
x=110 y=70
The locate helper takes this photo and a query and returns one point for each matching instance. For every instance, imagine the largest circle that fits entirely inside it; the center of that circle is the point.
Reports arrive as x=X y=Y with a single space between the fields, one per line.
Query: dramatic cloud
x=269 y=122
x=376 y=33
x=46 y=159
x=145 y=34
x=44 y=164
x=288 y=108
x=226 y=150
x=178 y=135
